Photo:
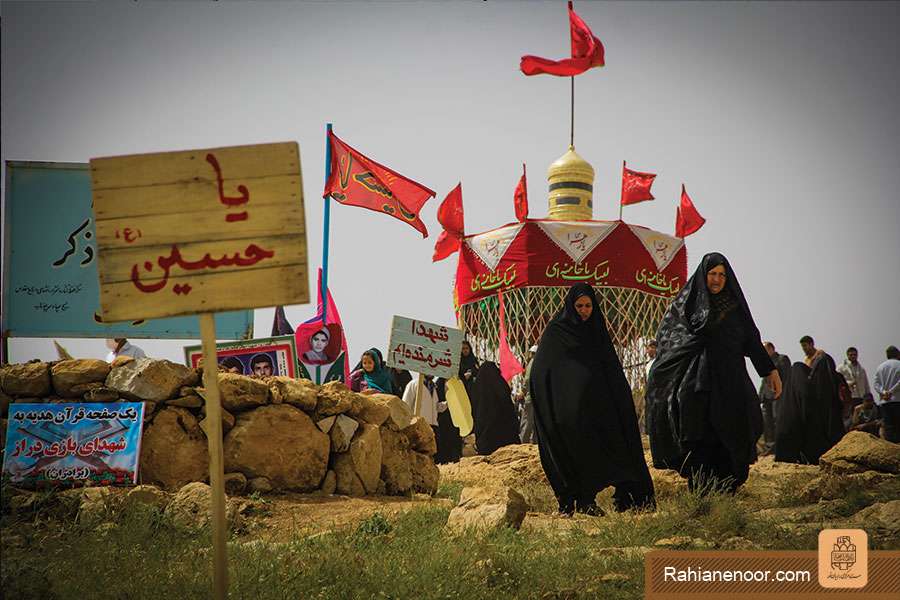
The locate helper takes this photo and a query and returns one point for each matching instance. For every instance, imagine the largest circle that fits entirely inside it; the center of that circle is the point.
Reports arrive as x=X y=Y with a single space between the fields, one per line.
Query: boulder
x=149 y=495
x=369 y=410
x=228 y=422
x=192 y=401
x=235 y=484
x=334 y=398
x=395 y=462
x=399 y=415
x=67 y=374
x=326 y=424
x=174 y=450
x=486 y=509
x=101 y=394
x=189 y=508
x=347 y=482
x=366 y=452
x=342 y=433
x=80 y=389
x=149 y=410
x=421 y=436
x=148 y=379
x=259 y=485
x=858 y=452
x=279 y=442
x=329 y=484
x=239 y=392
x=425 y=474
x=29 y=379
x=883 y=516
x=301 y=393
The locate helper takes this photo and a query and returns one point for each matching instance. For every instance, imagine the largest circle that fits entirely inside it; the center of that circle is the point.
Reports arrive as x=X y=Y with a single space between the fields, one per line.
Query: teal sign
x=50 y=282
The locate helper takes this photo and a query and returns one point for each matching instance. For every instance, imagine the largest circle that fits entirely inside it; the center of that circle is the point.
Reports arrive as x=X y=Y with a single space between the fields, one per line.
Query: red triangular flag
x=332 y=319
x=636 y=186
x=587 y=52
x=687 y=219
x=360 y=181
x=509 y=364
x=450 y=216
x=520 y=198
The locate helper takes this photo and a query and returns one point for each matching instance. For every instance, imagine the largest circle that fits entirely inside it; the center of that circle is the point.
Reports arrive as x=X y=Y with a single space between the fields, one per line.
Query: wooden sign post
x=199 y=232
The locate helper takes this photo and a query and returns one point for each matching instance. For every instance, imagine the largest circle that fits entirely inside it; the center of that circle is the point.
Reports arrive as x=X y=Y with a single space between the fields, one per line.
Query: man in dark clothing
x=767 y=395
x=809 y=418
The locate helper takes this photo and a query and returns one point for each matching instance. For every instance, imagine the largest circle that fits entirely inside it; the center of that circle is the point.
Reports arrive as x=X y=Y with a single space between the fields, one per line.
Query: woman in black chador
x=494 y=420
x=702 y=411
x=584 y=419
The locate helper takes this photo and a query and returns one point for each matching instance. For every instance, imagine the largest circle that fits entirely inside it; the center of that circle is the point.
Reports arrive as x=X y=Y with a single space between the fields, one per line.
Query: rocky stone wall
x=279 y=433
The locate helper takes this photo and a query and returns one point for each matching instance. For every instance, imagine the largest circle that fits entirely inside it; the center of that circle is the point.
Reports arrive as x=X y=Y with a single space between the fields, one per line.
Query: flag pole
x=623 y=187
x=572 y=113
x=326 y=224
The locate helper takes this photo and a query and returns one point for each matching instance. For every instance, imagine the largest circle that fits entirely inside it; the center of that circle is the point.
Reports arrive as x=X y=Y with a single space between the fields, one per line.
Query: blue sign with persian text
x=50 y=282
x=73 y=443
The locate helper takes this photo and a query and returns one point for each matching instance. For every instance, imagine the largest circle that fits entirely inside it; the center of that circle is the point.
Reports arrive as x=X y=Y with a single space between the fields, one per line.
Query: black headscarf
x=493 y=414
x=682 y=367
x=468 y=363
x=584 y=415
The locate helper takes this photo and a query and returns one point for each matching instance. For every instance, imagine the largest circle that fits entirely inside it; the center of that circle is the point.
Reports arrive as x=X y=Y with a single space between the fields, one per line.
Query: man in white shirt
x=428 y=401
x=122 y=347
x=887 y=394
x=856 y=377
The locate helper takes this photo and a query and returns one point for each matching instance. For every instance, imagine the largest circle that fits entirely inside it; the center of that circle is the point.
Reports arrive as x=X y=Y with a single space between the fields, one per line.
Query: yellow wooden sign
x=200 y=231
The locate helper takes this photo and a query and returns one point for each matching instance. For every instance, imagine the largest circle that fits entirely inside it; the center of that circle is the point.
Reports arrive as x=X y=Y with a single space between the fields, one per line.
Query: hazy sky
x=781 y=119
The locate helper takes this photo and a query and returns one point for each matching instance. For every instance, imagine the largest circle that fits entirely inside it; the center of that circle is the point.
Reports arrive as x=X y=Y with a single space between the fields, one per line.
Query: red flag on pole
x=587 y=52
x=509 y=364
x=520 y=198
x=687 y=219
x=636 y=186
x=360 y=181
x=450 y=216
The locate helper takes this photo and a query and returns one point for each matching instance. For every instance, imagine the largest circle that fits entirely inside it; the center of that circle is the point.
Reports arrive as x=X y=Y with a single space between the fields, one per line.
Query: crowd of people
x=702 y=413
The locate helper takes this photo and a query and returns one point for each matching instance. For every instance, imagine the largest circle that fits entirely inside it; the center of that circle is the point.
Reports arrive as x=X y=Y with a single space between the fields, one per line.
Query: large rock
x=370 y=410
x=29 y=379
x=192 y=401
x=149 y=495
x=342 y=433
x=334 y=398
x=279 y=442
x=485 y=509
x=425 y=474
x=302 y=393
x=329 y=484
x=148 y=379
x=69 y=373
x=239 y=392
x=399 y=415
x=421 y=436
x=395 y=462
x=883 y=516
x=189 y=508
x=366 y=452
x=347 y=481
x=234 y=483
x=174 y=450
x=101 y=394
x=858 y=452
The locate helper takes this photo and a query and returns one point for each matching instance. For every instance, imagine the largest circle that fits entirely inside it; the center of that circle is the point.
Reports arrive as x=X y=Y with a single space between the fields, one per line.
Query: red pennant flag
x=687 y=219
x=636 y=186
x=332 y=323
x=509 y=364
x=520 y=198
x=450 y=216
x=587 y=52
x=360 y=181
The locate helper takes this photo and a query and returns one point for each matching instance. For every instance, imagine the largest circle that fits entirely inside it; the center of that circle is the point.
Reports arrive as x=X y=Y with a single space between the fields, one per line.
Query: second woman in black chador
x=702 y=410
x=584 y=418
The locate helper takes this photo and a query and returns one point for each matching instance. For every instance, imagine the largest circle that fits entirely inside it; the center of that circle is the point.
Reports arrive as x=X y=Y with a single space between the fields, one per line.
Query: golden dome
x=571 y=185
